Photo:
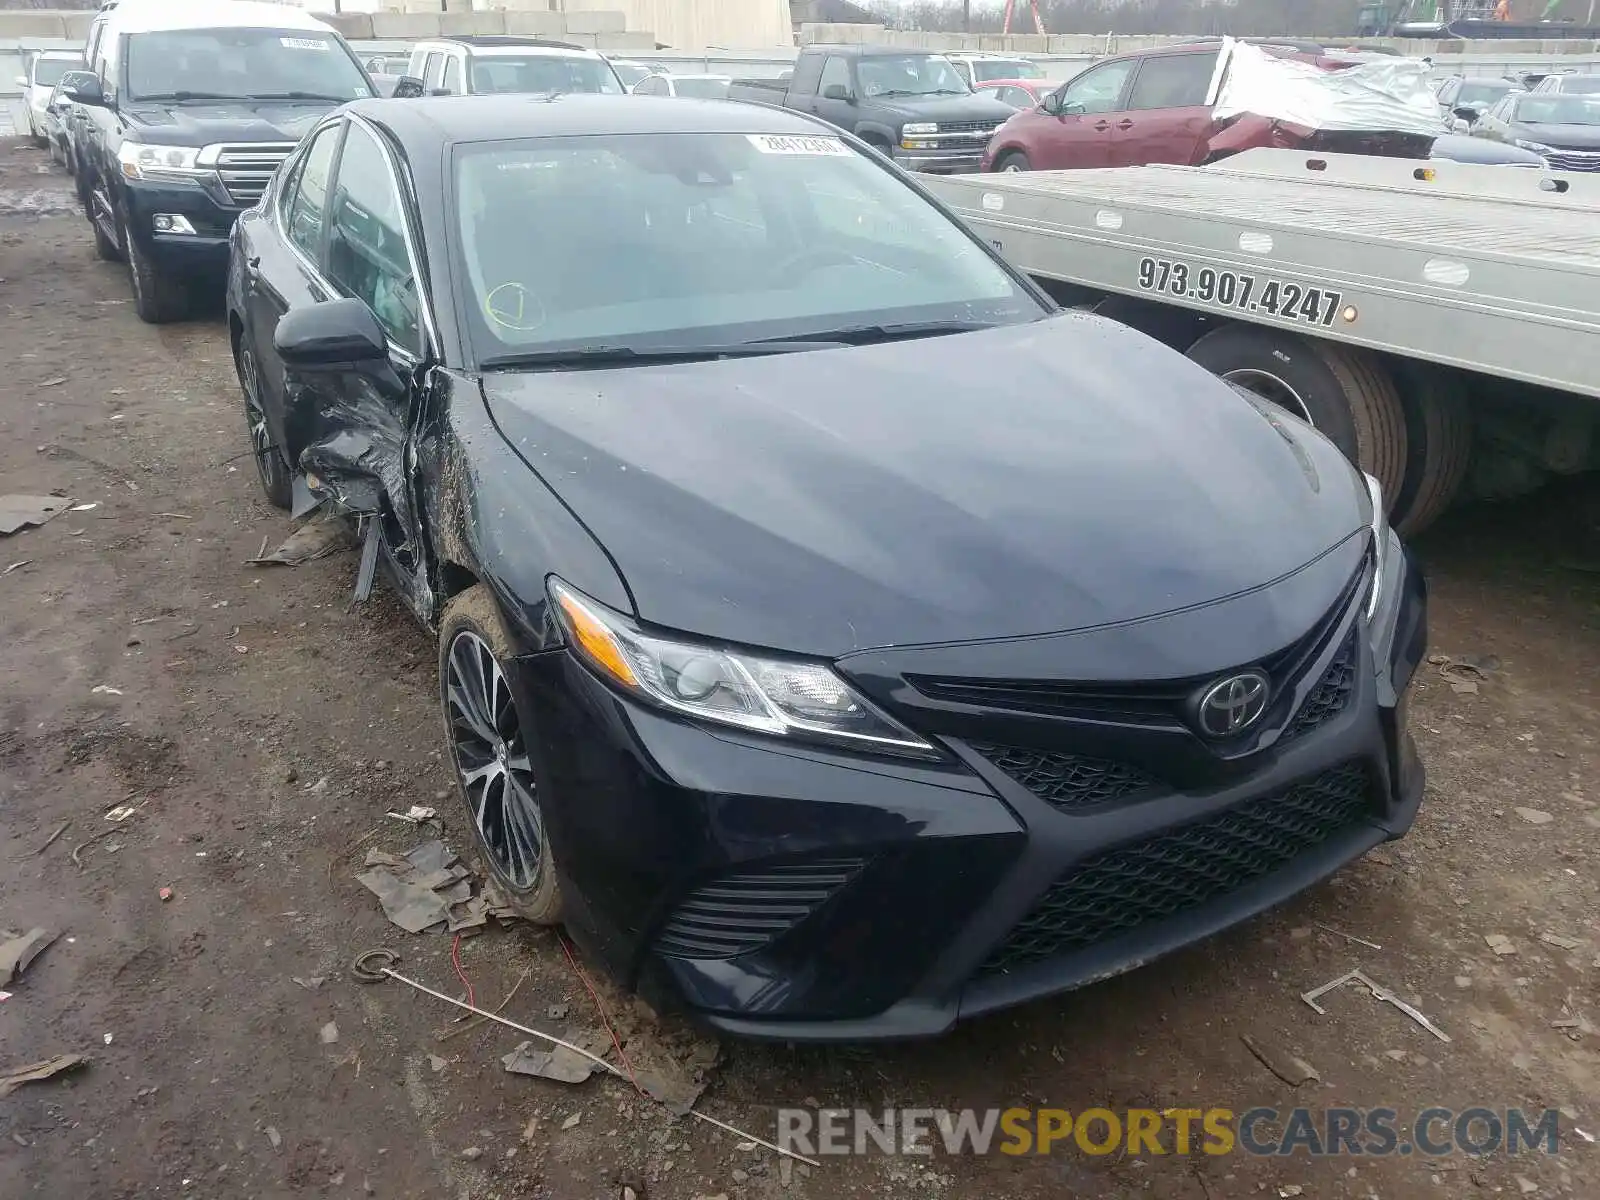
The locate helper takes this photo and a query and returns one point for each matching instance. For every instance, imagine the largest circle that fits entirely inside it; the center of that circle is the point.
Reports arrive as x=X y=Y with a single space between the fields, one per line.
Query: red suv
x=1151 y=108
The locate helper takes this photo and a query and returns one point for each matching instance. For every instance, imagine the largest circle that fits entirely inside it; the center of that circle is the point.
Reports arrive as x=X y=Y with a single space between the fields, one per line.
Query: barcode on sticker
x=303 y=43
x=774 y=143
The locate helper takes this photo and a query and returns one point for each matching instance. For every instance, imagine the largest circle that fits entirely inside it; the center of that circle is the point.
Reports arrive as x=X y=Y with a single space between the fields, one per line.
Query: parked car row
x=711 y=696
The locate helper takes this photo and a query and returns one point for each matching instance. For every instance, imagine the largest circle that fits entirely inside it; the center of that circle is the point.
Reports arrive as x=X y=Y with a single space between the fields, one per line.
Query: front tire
x=276 y=484
x=1346 y=393
x=157 y=297
x=1012 y=162
x=494 y=753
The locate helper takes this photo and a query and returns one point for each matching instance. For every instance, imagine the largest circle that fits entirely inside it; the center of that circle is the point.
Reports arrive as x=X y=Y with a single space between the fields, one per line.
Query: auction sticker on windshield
x=1241 y=291
x=294 y=43
x=774 y=143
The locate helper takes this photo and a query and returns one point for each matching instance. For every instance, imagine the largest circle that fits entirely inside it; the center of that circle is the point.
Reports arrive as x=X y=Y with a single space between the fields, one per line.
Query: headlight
x=781 y=697
x=919 y=127
x=1380 y=544
x=145 y=161
x=1536 y=147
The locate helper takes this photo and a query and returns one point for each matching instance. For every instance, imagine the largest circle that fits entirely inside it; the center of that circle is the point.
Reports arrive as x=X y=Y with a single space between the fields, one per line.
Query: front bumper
x=201 y=253
x=940 y=162
x=799 y=894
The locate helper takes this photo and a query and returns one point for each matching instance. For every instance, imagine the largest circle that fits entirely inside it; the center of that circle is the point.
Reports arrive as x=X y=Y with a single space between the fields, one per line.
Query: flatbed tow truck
x=1439 y=320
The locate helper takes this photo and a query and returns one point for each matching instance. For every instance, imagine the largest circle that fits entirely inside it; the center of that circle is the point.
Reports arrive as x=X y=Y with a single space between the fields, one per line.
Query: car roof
x=157 y=16
x=421 y=121
x=488 y=46
x=862 y=50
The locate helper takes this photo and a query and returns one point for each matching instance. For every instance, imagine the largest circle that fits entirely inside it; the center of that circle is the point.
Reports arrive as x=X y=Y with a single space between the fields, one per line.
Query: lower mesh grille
x=1149 y=881
x=1332 y=693
x=739 y=913
x=1067 y=781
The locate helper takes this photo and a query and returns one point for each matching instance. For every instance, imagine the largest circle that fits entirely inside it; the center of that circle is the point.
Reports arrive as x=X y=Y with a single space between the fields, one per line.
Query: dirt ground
x=262 y=728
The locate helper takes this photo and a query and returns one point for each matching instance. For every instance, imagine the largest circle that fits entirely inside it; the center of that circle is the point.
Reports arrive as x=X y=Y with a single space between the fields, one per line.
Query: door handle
x=1124 y=124
x=1102 y=126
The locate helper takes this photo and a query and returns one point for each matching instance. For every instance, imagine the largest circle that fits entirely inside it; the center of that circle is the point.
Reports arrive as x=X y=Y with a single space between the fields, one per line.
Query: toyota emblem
x=1233 y=704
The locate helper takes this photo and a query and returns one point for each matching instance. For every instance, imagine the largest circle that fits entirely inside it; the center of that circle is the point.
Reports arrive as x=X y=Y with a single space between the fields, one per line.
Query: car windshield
x=291 y=64
x=1558 y=110
x=1483 y=93
x=629 y=73
x=706 y=87
x=47 y=72
x=543 y=73
x=1006 y=68
x=690 y=239
x=909 y=75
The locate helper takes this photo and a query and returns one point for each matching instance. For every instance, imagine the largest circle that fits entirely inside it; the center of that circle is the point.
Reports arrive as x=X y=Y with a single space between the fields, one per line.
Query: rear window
x=705 y=89
x=1484 y=93
x=241 y=64
x=47 y=72
x=1006 y=68
x=543 y=73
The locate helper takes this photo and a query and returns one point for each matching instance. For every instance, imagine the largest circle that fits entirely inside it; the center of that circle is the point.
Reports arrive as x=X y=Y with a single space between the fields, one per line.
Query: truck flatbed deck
x=1488 y=268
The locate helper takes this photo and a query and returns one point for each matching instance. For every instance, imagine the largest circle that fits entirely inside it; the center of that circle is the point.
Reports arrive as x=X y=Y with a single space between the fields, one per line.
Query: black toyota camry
x=838 y=638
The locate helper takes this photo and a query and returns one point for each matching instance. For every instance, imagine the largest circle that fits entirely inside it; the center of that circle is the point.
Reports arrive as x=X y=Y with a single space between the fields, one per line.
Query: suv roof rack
x=505 y=39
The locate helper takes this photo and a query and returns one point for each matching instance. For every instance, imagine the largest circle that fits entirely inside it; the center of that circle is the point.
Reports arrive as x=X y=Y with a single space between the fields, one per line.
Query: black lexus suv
x=182 y=122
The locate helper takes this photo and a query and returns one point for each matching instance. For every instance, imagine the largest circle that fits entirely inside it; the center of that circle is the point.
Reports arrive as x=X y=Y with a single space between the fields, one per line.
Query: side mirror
x=409 y=88
x=838 y=91
x=1469 y=115
x=337 y=335
x=83 y=87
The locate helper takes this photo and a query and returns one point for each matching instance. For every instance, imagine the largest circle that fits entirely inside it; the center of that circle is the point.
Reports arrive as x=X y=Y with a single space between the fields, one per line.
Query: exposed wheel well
x=235 y=332
x=453 y=580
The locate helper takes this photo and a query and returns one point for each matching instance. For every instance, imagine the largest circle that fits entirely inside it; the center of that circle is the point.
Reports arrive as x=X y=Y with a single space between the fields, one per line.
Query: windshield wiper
x=299 y=96
x=585 y=357
x=182 y=96
x=862 y=335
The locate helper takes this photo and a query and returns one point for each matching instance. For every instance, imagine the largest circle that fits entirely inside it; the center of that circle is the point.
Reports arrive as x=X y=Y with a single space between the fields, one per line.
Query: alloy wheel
x=492 y=763
x=249 y=383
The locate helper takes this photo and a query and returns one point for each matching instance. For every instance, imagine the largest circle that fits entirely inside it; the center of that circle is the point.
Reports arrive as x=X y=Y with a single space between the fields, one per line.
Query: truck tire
x=1439 y=448
x=157 y=297
x=1011 y=162
x=1347 y=394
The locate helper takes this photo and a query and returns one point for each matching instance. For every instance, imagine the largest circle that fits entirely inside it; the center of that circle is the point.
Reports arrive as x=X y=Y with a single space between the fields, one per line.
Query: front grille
x=1145 y=882
x=1573 y=160
x=1332 y=693
x=739 y=913
x=245 y=169
x=985 y=127
x=1068 y=782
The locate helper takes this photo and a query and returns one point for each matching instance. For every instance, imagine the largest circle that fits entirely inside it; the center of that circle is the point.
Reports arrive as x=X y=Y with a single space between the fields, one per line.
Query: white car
x=704 y=87
x=44 y=71
x=628 y=71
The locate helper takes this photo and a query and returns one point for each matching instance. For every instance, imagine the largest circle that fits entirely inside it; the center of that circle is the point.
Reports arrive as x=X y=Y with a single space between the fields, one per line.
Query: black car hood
x=200 y=123
x=1028 y=479
x=970 y=107
x=1561 y=136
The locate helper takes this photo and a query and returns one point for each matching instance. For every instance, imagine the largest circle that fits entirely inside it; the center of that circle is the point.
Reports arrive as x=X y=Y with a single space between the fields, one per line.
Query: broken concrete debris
x=1499 y=943
x=428 y=889
x=17 y=950
x=17 y=512
x=557 y=1062
x=14 y=1077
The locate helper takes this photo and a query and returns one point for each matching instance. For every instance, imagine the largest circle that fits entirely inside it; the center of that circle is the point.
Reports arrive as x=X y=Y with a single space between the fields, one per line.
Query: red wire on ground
x=604 y=1015
x=455 y=961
